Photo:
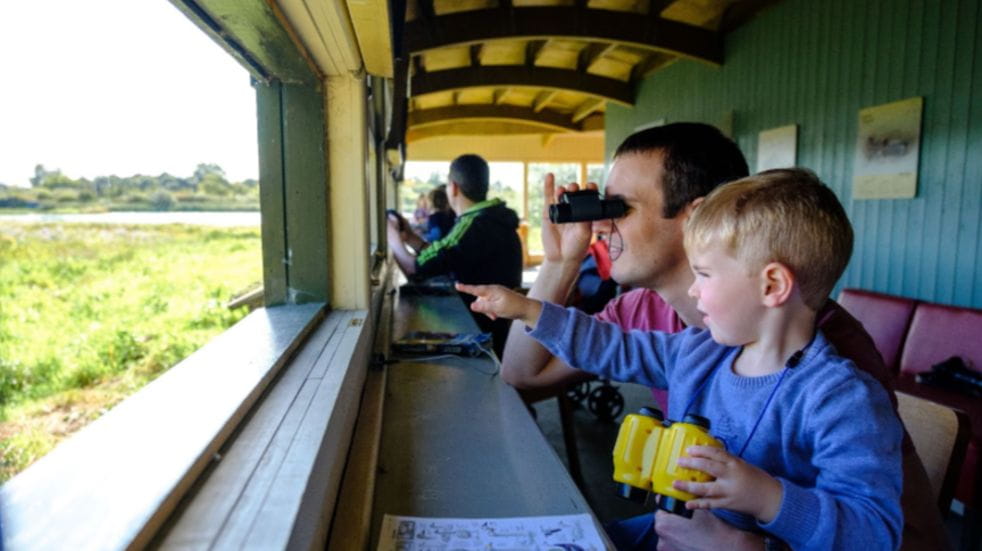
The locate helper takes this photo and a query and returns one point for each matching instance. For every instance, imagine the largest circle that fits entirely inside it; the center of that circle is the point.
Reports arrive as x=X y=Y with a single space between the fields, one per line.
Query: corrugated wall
x=816 y=64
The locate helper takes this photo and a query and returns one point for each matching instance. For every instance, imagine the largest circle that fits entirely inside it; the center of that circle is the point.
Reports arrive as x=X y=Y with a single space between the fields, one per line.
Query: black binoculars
x=585 y=206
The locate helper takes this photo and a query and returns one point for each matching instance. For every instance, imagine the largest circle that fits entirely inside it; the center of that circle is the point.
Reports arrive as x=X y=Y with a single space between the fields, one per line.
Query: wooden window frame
x=129 y=478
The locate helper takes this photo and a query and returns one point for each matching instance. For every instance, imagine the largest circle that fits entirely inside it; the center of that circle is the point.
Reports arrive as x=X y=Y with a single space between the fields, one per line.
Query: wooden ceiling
x=505 y=67
x=546 y=66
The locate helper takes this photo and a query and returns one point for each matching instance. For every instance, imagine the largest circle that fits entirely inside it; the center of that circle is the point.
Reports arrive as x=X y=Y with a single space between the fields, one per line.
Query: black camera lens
x=585 y=206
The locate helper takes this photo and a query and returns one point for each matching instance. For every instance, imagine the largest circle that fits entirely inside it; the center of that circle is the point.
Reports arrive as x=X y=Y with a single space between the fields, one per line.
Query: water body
x=217 y=219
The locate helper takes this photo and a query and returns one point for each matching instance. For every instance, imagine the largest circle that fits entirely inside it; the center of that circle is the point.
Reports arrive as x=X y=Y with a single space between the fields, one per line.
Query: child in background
x=442 y=217
x=766 y=252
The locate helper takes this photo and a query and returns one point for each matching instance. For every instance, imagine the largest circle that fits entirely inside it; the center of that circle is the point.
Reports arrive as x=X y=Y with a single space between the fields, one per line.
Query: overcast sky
x=101 y=87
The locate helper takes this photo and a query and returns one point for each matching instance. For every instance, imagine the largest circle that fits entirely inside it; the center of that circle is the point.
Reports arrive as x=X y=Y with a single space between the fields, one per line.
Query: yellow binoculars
x=646 y=457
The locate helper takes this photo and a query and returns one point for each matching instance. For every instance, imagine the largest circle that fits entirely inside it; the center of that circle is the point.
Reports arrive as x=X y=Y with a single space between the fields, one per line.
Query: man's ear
x=777 y=284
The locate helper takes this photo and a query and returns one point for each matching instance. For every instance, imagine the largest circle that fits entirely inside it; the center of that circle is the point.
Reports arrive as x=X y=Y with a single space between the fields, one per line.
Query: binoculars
x=646 y=457
x=585 y=206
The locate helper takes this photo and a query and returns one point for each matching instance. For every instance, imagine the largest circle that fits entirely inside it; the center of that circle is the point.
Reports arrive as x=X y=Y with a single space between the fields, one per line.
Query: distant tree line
x=207 y=188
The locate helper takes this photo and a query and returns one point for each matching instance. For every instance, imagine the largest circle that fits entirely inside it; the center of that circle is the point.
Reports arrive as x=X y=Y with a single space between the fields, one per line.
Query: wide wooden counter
x=456 y=441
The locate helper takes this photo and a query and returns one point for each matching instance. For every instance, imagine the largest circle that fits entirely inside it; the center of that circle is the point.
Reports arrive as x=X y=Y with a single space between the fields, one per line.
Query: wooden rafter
x=593 y=52
x=587 y=108
x=532 y=50
x=565 y=21
x=544 y=99
x=513 y=75
x=545 y=119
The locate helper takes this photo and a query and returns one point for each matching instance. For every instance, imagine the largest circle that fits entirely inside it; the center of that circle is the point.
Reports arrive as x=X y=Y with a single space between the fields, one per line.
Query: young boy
x=766 y=252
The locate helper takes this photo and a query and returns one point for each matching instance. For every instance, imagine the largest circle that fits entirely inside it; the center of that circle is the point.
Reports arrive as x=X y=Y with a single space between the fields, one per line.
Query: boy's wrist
x=532 y=312
x=770 y=500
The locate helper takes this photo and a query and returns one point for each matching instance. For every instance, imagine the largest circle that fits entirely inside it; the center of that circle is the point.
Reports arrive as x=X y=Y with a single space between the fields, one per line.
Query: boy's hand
x=739 y=486
x=496 y=301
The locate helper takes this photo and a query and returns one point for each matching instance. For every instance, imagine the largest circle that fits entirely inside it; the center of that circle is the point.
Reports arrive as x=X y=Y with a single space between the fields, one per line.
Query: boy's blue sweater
x=830 y=435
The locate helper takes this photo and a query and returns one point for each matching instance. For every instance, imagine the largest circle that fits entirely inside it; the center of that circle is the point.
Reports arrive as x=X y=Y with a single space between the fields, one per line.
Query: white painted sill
x=115 y=483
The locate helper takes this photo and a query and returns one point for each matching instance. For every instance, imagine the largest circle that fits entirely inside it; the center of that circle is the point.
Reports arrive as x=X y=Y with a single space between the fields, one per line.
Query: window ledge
x=114 y=483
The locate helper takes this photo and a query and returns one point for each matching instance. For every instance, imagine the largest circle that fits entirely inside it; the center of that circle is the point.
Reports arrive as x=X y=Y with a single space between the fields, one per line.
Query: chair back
x=940 y=436
x=885 y=317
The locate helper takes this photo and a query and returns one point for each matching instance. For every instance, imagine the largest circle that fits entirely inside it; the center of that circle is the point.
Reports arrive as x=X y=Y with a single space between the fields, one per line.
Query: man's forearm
x=405 y=261
x=415 y=241
x=524 y=358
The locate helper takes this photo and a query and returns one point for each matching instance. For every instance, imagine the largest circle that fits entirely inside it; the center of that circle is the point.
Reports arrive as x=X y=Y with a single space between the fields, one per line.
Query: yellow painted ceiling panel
x=503 y=52
x=611 y=68
x=431 y=101
x=627 y=54
x=566 y=101
x=443 y=7
x=640 y=6
x=447 y=58
x=561 y=54
x=475 y=96
x=703 y=13
x=522 y=97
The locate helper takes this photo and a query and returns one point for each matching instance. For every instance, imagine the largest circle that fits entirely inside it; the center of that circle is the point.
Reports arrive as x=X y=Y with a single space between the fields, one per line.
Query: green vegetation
x=89 y=313
x=206 y=189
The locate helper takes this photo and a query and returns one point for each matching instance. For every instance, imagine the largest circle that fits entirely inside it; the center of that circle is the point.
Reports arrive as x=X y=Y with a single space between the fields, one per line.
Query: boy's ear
x=777 y=282
x=687 y=211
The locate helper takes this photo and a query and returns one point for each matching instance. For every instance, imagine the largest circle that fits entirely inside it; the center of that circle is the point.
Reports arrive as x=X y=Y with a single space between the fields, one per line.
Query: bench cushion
x=938 y=332
x=885 y=317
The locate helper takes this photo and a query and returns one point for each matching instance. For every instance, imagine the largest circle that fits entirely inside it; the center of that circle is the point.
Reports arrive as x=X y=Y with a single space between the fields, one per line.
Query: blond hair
x=787 y=216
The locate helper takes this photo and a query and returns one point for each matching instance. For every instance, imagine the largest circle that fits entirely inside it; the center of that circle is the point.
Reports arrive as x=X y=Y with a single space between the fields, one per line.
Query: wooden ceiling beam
x=565 y=21
x=544 y=119
x=587 y=108
x=544 y=99
x=476 y=54
x=500 y=95
x=532 y=49
x=593 y=52
x=515 y=75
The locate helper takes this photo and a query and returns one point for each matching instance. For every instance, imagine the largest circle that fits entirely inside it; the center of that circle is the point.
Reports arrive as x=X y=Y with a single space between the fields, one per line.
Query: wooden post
x=350 y=234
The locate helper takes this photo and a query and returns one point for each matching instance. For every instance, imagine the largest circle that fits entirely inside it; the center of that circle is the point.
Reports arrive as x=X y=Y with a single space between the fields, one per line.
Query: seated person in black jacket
x=482 y=247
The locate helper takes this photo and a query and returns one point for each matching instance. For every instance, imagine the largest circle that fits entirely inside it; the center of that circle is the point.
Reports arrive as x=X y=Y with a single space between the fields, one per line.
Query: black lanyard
x=792 y=362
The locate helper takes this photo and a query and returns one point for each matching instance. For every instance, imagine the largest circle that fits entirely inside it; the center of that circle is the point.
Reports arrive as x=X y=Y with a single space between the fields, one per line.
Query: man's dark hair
x=698 y=157
x=471 y=174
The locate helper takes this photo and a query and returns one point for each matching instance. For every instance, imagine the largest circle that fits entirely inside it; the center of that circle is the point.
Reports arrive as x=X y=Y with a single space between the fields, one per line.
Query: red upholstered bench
x=912 y=336
x=885 y=317
x=936 y=333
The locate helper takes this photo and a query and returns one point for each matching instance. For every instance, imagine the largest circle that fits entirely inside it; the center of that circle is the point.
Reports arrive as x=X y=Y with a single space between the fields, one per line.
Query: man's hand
x=393 y=228
x=703 y=532
x=739 y=486
x=496 y=301
x=563 y=242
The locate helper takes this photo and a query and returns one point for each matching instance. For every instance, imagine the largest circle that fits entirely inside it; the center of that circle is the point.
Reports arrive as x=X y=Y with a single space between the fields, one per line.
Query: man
x=661 y=174
x=482 y=247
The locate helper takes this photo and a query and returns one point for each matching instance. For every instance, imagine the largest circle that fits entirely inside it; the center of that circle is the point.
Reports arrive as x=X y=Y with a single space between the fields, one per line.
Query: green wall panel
x=816 y=64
